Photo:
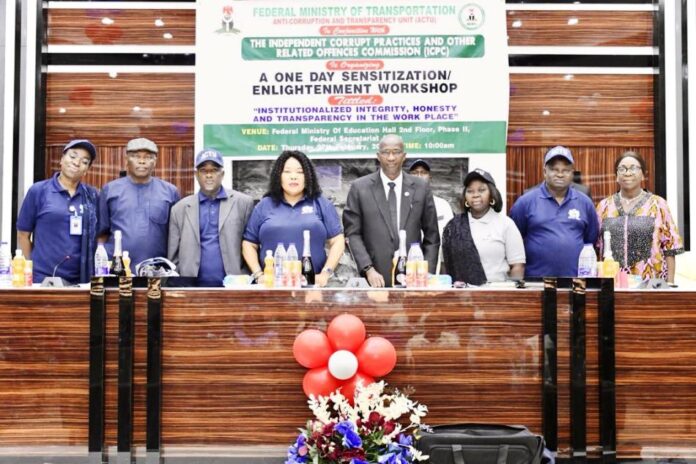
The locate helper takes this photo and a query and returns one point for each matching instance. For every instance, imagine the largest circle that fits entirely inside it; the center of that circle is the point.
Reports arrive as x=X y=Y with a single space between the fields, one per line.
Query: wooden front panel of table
x=229 y=377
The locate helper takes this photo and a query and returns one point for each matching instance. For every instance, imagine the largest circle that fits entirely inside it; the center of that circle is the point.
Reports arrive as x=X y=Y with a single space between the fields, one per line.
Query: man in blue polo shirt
x=138 y=205
x=555 y=220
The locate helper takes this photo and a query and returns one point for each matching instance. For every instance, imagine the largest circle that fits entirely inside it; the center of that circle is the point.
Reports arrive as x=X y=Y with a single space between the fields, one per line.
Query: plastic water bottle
x=414 y=266
x=278 y=259
x=294 y=268
x=101 y=261
x=587 y=262
x=28 y=273
x=5 y=265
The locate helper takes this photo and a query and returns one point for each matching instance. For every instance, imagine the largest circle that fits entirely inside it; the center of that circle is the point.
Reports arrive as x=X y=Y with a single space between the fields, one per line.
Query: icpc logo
x=471 y=16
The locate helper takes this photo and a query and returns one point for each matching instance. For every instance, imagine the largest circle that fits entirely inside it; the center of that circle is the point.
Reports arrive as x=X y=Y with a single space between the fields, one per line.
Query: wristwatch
x=329 y=271
x=366 y=268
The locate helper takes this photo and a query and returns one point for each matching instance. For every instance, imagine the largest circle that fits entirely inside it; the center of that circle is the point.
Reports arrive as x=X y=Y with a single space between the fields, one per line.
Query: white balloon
x=343 y=364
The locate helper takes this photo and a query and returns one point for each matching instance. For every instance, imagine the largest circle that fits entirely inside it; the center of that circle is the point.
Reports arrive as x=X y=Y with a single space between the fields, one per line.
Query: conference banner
x=331 y=79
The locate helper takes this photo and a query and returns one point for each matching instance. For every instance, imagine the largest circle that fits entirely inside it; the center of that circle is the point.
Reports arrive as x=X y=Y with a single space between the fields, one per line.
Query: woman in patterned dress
x=644 y=236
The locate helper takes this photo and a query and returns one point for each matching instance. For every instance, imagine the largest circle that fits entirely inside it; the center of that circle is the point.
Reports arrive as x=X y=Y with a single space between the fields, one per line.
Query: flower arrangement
x=371 y=431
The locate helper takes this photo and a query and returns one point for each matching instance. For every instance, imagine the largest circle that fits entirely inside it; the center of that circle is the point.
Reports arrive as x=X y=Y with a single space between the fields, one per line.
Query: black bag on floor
x=481 y=444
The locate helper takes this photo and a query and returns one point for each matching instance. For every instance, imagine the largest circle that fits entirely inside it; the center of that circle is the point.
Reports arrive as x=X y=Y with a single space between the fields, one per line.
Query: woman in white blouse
x=482 y=244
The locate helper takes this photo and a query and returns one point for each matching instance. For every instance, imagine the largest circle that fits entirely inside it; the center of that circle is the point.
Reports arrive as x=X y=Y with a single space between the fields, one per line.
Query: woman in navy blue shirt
x=293 y=204
x=56 y=225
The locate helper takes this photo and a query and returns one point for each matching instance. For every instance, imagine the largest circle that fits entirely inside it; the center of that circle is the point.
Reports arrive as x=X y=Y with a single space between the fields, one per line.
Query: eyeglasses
x=631 y=169
x=391 y=152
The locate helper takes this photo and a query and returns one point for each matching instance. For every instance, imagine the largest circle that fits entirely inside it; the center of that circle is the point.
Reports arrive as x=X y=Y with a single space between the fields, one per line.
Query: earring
x=492 y=202
x=466 y=204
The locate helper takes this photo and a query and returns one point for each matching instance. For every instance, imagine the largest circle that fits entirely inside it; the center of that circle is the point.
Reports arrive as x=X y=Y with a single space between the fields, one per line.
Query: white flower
x=417 y=455
x=320 y=408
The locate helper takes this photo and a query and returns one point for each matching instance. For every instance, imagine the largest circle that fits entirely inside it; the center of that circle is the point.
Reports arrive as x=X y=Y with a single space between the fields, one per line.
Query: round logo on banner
x=471 y=16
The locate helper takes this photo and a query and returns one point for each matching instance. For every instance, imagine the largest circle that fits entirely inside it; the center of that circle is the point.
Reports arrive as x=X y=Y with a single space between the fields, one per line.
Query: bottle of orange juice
x=269 y=264
x=610 y=268
x=18 y=265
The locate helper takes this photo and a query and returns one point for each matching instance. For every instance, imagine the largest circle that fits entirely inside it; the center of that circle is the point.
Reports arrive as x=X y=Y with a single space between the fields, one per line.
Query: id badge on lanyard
x=75 y=220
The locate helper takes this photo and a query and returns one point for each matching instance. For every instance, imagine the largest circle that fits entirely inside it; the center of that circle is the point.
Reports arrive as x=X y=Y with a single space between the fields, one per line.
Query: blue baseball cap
x=82 y=143
x=559 y=152
x=209 y=154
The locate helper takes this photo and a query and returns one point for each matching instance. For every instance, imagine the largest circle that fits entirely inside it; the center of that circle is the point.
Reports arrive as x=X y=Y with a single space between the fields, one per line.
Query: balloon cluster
x=342 y=357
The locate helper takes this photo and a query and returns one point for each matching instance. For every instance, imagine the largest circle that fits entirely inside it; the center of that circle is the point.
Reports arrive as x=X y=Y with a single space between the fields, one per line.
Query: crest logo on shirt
x=307 y=210
x=574 y=214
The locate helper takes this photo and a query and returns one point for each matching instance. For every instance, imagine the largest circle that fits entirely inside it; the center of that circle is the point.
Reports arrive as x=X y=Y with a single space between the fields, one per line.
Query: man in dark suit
x=377 y=202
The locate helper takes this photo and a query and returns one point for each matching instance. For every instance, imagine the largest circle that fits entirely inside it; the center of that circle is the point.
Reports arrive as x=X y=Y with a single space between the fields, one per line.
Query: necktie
x=391 y=199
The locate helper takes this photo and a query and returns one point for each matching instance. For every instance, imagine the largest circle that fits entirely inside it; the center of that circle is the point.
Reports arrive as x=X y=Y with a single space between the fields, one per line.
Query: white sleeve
x=514 y=245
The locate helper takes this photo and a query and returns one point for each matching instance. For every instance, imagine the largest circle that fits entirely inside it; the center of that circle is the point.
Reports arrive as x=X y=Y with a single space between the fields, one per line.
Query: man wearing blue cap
x=205 y=230
x=57 y=223
x=555 y=220
x=138 y=205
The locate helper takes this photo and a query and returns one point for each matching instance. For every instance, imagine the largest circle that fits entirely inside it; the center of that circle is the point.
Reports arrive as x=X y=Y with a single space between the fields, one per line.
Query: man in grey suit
x=205 y=229
x=377 y=202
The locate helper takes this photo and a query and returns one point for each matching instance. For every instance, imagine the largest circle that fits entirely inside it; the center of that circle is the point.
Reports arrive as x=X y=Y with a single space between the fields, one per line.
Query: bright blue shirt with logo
x=274 y=222
x=554 y=234
x=141 y=213
x=46 y=212
x=212 y=269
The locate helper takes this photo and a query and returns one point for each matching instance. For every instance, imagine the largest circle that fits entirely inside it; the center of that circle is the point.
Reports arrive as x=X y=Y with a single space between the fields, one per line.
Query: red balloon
x=346 y=332
x=312 y=348
x=376 y=357
x=348 y=388
x=319 y=382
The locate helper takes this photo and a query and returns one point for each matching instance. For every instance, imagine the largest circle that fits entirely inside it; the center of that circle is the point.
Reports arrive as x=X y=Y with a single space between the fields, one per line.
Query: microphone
x=54 y=281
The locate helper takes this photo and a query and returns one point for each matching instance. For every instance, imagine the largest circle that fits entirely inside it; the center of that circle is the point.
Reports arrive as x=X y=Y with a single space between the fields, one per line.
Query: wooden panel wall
x=461 y=353
x=174 y=164
x=580 y=28
x=109 y=111
x=468 y=354
x=599 y=116
x=525 y=27
x=122 y=27
x=44 y=367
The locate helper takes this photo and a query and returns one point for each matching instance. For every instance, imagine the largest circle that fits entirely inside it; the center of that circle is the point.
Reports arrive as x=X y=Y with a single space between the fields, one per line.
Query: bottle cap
x=126 y=254
x=18 y=252
x=269 y=254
